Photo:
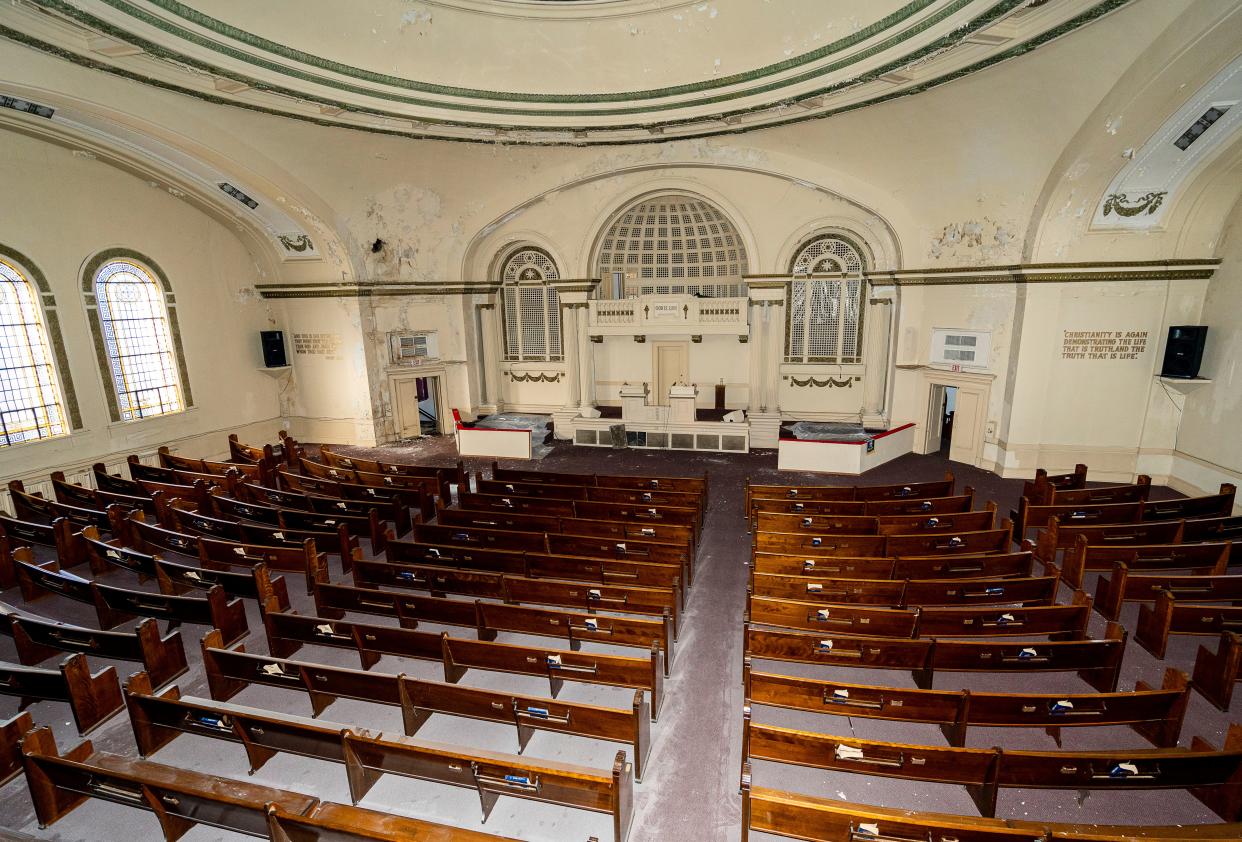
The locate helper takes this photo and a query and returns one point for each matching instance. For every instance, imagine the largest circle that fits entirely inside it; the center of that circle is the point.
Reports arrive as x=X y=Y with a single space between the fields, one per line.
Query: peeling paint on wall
x=975 y=242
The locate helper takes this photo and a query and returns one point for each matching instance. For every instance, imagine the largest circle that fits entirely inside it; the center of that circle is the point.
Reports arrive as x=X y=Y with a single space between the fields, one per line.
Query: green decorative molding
x=1097 y=11
x=92 y=313
x=51 y=321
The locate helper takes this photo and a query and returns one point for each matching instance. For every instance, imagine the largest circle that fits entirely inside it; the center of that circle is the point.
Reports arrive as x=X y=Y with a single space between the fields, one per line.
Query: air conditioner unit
x=966 y=348
x=413 y=348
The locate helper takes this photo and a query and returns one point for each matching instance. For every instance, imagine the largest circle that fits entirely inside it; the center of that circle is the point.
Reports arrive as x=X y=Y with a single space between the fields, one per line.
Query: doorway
x=670 y=364
x=942 y=408
x=417 y=406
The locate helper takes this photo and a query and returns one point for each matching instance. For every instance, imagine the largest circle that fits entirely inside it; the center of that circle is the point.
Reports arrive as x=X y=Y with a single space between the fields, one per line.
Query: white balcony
x=655 y=315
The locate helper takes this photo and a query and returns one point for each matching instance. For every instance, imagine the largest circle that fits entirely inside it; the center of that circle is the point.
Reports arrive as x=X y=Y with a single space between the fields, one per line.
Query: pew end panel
x=12 y=730
x=149 y=736
x=51 y=802
x=1216 y=673
x=1167 y=732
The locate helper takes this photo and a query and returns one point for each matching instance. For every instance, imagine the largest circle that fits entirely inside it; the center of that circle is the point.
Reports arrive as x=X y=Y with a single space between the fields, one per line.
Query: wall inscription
x=1103 y=344
x=320 y=344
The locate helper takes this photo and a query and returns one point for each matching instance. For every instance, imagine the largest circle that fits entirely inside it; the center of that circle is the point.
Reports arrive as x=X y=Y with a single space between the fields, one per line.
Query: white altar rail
x=844 y=457
x=714 y=436
x=669 y=314
x=494 y=444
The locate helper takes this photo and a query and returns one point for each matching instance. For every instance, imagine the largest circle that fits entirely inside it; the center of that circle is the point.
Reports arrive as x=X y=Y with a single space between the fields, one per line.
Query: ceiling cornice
x=924 y=44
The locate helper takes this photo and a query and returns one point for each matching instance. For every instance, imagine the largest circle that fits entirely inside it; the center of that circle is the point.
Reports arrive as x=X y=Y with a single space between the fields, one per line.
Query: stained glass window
x=133 y=320
x=532 y=309
x=31 y=405
x=825 y=314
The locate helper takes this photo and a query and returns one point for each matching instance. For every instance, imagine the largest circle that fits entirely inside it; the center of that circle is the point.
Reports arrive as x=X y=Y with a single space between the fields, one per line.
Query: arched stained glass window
x=138 y=341
x=31 y=402
x=532 y=309
x=825 y=314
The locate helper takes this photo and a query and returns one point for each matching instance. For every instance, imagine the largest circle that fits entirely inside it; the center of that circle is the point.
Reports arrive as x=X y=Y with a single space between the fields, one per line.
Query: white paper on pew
x=814 y=588
x=505 y=501
x=594 y=593
x=239 y=550
x=849 y=753
x=1062 y=705
x=554 y=660
x=651 y=511
x=807 y=521
x=273 y=669
x=329 y=523
x=808 y=564
x=324 y=628
x=1005 y=618
x=433 y=551
x=825 y=644
x=591 y=625
x=190 y=574
x=1028 y=652
x=279 y=536
x=508 y=487
x=869 y=829
x=112 y=554
x=342 y=505
x=621 y=547
x=1122 y=770
x=822 y=614
x=840 y=693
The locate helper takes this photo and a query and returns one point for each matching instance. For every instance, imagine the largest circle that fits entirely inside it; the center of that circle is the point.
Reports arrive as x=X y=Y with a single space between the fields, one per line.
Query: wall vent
x=26 y=106
x=966 y=348
x=238 y=195
x=1198 y=127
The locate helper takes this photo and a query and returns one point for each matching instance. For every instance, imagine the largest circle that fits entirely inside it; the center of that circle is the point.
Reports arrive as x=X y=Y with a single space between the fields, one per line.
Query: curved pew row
x=693 y=485
x=229 y=671
x=902 y=593
x=1155 y=713
x=367 y=756
x=594 y=494
x=581 y=527
x=1212 y=775
x=1200 y=557
x=982 y=566
x=93 y=699
x=488 y=618
x=1097 y=662
x=924 y=544
x=1112 y=591
x=1040 y=489
x=181 y=799
x=811 y=819
x=1057 y=622
x=864 y=493
x=637 y=513
x=1029 y=515
x=896 y=507
x=972 y=521
x=1169 y=616
x=39 y=638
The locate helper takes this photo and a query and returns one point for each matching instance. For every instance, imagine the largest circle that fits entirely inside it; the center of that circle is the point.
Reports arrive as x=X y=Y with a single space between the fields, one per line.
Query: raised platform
x=850 y=455
x=663 y=435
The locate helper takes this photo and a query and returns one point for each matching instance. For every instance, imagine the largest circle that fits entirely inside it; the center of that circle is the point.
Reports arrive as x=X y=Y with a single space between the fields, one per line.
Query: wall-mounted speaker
x=273 y=342
x=1183 y=353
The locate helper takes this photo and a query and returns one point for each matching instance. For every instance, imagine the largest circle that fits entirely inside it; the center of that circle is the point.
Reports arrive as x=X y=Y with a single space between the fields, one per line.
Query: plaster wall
x=60 y=210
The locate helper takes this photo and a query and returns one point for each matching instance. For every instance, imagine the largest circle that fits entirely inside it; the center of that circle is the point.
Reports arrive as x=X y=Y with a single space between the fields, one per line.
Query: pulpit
x=681 y=399
x=634 y=402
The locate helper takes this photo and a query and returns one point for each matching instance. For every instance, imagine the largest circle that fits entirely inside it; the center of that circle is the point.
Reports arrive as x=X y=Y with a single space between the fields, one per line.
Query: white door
x=965 y=445
x=935 y=418
x=406 y=399
x=671 y=367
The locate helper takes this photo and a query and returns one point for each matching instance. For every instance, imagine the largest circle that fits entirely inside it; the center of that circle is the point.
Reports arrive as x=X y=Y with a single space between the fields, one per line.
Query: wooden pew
x=694 y=485
x=984 y=566
x=1226 y=528
x=1058 y=622
x=179 y=798
x=247 y=454
x=982 y=519
x=1169 y=616
x=1212 y=775
x=38 y=638
x=428 y=486
x=856 y=546
x=585 y=527
x=1030 y=515
x=330 y=822
x=653 y=552
x=679 y=499
x=488 y=618
x=811 y=819
x=618 y=599
x=176 y=462
x=498 y=539
x=1098 y=662
x=93 y=699
x=541 y=566
x=1040 y=489
x=287 y=632
x=393 y=509
x=902 y=593
x=114 y=606
x=184 y=519
x=228 y=508
x=939 y=488
x=36 y=509
x=952 y=543
x=1216 y=673
x=154 y=473
x=91 y=498
x=1137 y=491
x=223 y=554
x=1112 y=591
x=950 y=504
x=119 y=486
x=1155 y=713
x=444 y=476
x=1202 y=558
x=57 y=535
x=1210 y=505
x=958 y=504
x=1060 y=535
x=557 y=665
x=158 y=719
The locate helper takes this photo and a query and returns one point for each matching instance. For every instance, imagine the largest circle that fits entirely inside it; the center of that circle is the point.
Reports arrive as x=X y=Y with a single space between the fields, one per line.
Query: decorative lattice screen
x=532 y=310
x=825 y=315
x=672 y=238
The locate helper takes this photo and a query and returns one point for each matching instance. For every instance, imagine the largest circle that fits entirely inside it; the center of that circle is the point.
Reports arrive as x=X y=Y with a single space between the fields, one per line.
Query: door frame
x=978 y=384
x=684 y=345
x=438 y=393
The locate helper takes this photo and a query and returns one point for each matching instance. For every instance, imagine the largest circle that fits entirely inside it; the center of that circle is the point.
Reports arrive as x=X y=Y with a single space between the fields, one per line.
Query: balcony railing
x=669 y=314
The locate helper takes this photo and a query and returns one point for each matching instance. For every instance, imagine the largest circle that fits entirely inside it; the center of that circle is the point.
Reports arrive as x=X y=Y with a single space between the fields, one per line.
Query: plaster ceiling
x=546 y=71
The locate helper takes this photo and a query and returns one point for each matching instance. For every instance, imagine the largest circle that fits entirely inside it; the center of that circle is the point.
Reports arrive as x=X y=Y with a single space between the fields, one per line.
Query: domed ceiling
x=546 y=71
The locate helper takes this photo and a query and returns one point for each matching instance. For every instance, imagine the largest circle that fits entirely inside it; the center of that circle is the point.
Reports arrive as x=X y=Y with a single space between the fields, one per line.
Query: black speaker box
x=1183 y=353
x=273 y=342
